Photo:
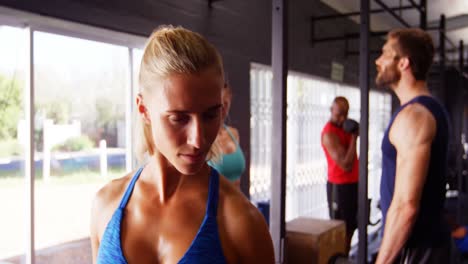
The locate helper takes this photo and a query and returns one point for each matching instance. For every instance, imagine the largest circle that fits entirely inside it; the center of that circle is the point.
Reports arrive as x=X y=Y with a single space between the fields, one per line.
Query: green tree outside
x=10 y=106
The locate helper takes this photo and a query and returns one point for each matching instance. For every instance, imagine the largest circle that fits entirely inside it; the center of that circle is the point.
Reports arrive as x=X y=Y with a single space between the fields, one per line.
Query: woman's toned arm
x=247 y=230
x=104 y=204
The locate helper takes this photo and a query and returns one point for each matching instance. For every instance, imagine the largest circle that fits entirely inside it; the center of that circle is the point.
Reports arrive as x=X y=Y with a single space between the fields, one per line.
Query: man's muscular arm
x=342 y=156
x=412 y=134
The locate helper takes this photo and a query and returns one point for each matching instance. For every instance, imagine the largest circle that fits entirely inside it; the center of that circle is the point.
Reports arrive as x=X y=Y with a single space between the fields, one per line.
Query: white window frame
x=31 y=22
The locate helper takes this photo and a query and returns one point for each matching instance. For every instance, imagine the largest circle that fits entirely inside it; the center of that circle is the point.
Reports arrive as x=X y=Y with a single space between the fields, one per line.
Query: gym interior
x=69 y=76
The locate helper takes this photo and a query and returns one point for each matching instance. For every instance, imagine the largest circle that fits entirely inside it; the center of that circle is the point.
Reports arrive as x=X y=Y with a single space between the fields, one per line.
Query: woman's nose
x=196 y=134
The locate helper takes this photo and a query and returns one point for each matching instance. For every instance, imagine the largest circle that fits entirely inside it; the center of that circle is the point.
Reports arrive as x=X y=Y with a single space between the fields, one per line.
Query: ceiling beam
x=357 y=13
x=210 y=3
x=452 y=23
x=392 y=13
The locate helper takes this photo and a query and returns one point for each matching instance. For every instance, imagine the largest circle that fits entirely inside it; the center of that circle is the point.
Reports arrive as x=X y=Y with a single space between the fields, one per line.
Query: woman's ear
x=142 y=110
x=224 y=112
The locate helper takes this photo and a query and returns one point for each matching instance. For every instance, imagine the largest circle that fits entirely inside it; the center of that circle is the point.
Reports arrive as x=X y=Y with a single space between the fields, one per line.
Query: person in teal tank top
x=175 y=208
x=231 y=164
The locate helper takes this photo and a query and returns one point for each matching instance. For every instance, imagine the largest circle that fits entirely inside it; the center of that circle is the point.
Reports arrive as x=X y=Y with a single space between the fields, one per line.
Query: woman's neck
x=163 y=176
x=166 y=179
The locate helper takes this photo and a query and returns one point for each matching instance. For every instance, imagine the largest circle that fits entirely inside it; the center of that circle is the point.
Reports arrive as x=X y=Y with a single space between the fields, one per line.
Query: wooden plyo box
x=310 y=240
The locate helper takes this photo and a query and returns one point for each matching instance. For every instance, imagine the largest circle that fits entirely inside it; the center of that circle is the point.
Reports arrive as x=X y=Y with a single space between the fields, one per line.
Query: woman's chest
x=155 y=235
x=166 y=236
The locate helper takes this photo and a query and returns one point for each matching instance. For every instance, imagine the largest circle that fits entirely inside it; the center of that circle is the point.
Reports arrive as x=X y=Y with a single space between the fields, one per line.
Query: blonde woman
x=175 y=209
x=232 y=162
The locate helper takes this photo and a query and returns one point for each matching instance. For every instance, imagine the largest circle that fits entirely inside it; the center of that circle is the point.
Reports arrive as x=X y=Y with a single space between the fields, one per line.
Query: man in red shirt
x=343 y=165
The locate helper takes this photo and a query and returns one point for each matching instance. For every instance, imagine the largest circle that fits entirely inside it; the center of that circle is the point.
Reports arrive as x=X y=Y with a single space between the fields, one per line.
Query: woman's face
x=185 y=115
x=226 y=96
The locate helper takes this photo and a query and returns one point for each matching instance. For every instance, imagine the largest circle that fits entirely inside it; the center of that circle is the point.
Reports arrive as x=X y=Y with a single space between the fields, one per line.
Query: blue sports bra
x=205 y=248
x=231 y=165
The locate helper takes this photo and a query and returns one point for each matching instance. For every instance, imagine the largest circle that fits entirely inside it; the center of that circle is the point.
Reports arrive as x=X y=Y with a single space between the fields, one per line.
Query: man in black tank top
x=414 y=155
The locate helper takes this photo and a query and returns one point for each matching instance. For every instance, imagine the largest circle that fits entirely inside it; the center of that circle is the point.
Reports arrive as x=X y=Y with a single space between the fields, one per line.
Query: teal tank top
x=205 y=248
x=230 y=165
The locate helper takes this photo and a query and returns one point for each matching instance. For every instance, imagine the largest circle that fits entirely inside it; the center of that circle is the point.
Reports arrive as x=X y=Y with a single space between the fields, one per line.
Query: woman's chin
x=189 y=169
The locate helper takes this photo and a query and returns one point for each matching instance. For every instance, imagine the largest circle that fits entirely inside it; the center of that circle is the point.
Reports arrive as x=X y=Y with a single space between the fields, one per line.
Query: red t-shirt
x=336 y=174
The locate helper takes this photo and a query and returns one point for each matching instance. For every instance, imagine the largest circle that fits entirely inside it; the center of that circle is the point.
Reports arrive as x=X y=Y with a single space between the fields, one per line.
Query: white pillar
x=29 y=167
x=47 y=126
x=103 y=157
x=129 y=90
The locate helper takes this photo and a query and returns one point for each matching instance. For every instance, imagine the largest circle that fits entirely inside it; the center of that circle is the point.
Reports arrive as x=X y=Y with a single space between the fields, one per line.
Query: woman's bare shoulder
x=245 y=226
x=107 y=199
x=113 y=190
x=236 y=205
x=234 y=132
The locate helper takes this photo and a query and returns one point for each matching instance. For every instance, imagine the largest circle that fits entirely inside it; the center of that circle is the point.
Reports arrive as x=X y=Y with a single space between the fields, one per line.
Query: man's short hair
x=417 y=45
x=343 y=101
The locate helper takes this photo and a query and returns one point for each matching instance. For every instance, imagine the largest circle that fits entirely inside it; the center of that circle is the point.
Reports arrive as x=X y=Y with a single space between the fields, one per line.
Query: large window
x=308 y=109
x=83 y=82
x=80 y=113
x=13 y=45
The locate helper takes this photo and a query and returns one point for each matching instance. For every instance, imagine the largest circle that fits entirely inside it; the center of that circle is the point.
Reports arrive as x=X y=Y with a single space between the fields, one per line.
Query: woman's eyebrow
x=177 y=112
x=211 y=108
x=215 y=107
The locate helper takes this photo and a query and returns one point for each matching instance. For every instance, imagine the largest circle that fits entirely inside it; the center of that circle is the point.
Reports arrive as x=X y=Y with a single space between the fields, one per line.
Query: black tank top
x=430 y=229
